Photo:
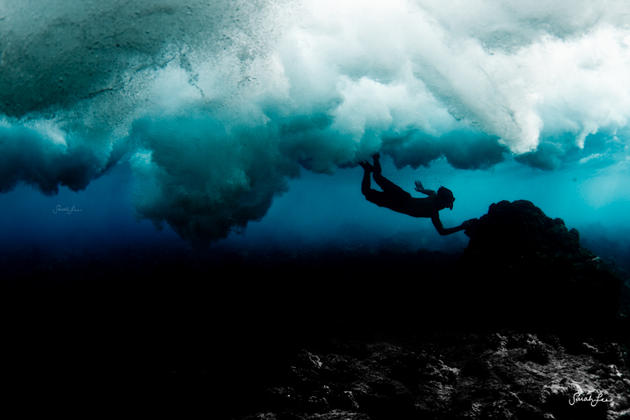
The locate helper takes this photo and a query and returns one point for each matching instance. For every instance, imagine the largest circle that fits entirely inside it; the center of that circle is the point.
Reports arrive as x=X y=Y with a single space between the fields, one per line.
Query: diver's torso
x=415 y=207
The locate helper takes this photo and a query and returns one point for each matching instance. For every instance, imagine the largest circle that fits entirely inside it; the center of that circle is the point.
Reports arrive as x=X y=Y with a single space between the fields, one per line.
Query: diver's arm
x=421 y=189
x=446 y=231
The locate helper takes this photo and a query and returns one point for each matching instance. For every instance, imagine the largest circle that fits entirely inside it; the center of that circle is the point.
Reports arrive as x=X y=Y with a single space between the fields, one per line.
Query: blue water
x=324 y=211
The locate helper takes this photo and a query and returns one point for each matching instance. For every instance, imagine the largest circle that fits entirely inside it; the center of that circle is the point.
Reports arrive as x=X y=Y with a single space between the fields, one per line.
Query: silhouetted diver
x=395 y=198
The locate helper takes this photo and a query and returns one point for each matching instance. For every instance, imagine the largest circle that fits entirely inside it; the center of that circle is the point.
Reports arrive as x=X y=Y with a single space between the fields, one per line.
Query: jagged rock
x=526 y=267
x=461 y=377
x=339 y=415
x=536 y=350
x=519 y=228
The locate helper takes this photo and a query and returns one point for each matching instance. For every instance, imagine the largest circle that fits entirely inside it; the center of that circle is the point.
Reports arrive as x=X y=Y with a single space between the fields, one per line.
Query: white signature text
x=59 y=209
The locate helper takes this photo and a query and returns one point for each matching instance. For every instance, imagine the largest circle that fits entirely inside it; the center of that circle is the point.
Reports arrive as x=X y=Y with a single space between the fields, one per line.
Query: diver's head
x=445 y=198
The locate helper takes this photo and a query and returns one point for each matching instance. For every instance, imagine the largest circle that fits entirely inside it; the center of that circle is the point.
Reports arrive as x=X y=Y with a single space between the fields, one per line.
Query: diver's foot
x=367 y=166
x=377 y=163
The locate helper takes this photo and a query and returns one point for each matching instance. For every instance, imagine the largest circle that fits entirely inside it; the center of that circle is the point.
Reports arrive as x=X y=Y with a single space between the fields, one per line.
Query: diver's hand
x=419 y=186
x=470 y=223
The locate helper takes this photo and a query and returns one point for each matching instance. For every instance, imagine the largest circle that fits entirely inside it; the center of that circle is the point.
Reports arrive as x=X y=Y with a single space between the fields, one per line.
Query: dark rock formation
x=528 y=268
x=501 y=375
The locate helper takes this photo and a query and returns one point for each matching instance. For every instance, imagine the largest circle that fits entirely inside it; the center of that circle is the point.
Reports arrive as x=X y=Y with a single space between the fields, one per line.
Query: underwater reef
x=535 y=331
x=527 y=264
x=505 y=375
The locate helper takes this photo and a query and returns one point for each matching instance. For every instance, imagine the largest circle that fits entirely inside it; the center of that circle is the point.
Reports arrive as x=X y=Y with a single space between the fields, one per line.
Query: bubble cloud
x=217 y=104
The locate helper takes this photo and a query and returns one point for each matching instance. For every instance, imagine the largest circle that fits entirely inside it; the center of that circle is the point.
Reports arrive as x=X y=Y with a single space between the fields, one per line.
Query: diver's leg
x=371 y=195
x=386 y=185
x=366 y=184
x=389 y=187
x=376 y=158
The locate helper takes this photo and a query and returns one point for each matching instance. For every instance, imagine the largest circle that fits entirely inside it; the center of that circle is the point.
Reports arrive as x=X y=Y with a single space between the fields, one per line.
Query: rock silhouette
x=531 y=268
x=502 y=375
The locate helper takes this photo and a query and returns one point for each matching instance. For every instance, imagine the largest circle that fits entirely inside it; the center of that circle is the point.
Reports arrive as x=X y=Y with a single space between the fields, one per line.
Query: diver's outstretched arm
x=421 y=189
x=447 y=231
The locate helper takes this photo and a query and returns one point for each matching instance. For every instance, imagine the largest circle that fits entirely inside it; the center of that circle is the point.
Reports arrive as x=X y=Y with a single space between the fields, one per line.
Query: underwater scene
x=316 y=209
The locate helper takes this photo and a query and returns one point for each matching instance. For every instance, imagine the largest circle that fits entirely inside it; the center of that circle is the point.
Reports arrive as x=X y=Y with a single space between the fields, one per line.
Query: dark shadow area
x=172 y=330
